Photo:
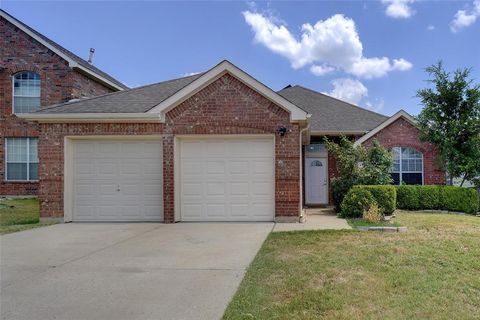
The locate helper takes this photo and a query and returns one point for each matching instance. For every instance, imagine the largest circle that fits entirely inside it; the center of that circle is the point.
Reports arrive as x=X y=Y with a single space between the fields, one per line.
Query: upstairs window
x=407 y=166
x=26 y=92
x=22 y=159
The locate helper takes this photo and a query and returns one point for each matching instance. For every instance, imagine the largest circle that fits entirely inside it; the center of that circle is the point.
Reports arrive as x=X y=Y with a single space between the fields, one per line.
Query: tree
x=358 y=165
x=450 y=118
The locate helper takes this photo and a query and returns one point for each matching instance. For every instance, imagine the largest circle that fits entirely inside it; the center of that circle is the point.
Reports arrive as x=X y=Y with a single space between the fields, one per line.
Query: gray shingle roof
x=330 y=114
x=68 y=53
x=136 y=100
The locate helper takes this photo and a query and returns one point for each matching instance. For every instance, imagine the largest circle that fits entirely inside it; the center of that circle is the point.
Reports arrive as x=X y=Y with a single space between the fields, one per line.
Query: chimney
x=90 y=57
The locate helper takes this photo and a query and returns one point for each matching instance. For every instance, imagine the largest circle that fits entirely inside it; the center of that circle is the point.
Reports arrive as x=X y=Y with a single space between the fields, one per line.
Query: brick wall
x=59 y=83
x=226 y=106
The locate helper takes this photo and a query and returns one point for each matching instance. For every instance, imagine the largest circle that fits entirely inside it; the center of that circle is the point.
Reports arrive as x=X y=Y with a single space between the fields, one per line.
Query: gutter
x=91 y=117
x=302 y=131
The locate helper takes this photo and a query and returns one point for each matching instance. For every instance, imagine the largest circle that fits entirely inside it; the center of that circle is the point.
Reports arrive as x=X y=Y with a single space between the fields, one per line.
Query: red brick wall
x=59 y=83
x=402 y=133
x=226 y=106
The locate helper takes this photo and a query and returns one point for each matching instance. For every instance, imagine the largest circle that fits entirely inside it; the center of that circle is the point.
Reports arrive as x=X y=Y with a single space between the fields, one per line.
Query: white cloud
x=349 y=90
x=321 y=70
x=399 y=9
x=188 y=74
x=375 y=106
x=328 y=45
x=430 y=27
x=465 y=18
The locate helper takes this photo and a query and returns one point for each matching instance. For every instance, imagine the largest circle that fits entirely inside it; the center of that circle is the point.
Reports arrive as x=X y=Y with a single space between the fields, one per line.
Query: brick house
x=216 y=146
x=35 y=72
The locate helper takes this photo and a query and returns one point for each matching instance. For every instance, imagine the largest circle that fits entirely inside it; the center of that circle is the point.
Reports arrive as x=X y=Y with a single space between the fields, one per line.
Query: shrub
x=385 y=197
x=429 y=197
x=373 y=214
x=340 y=187
x=437 y=197
x=355 y=202
x=407 y=197
x=459 y=199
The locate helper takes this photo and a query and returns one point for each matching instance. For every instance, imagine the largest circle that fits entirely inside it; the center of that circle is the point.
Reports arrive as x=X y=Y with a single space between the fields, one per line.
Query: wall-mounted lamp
x=282 y=131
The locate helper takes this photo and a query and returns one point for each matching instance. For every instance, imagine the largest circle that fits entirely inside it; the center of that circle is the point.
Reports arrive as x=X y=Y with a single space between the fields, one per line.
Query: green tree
x=451 y=119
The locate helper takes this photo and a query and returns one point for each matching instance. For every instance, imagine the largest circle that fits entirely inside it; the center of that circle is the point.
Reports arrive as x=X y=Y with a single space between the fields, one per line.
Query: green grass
x=429 y=272
x=362 y=223
x=19 y=214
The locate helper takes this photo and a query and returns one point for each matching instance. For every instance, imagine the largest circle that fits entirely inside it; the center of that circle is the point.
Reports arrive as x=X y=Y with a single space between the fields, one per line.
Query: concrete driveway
x=125 y=271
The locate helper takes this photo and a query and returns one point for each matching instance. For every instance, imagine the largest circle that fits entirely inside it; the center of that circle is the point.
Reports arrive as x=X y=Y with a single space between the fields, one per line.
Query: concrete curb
x=383 y=229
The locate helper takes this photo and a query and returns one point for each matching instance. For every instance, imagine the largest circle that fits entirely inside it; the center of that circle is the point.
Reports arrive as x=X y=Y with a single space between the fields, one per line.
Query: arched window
x=407 y=166
x=26 y=92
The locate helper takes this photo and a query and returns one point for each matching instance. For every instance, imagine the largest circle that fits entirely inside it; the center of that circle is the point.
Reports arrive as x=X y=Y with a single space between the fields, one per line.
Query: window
x=22 y=159
x=407 y=166
x=26 y=92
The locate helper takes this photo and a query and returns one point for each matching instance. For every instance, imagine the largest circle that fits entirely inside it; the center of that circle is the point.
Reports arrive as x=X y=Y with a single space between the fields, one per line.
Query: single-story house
x=216 y=146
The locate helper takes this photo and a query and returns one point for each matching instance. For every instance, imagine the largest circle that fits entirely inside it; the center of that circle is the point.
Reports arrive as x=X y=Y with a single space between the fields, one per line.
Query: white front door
x=316 y=181
x=117 y=180
x=227 y=179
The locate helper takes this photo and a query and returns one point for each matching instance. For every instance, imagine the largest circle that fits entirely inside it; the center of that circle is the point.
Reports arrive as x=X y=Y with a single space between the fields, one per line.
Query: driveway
x=125 y=271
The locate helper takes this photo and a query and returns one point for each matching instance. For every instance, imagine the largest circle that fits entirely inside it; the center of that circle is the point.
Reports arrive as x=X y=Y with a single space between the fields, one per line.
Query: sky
x=370 y=53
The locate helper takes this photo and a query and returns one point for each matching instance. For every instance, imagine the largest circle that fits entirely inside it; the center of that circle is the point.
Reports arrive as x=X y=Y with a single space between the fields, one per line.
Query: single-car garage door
x=227 y=179
x=117 y=180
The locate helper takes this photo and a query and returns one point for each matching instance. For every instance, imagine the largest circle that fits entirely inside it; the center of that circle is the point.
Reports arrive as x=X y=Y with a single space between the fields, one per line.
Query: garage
x=117 y=180
x=226 y=179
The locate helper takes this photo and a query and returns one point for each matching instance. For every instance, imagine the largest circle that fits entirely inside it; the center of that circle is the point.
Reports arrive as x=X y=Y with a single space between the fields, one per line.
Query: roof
x=136 y=100
x=400 y=114
x=74 y=61
x=331 y=115
x=157 y=99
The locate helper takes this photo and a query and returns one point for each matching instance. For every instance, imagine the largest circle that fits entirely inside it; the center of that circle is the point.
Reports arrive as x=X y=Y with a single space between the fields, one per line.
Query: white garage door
x=227 y=179
x=117 y=180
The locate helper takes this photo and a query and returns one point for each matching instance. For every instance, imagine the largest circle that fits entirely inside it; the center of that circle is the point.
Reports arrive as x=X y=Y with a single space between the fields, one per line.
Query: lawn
x=430 y=272
x=19 y=214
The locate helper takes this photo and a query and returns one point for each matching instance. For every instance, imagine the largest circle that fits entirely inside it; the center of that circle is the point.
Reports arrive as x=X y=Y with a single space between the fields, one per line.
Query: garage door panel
x=222 y=178
x=117 y=180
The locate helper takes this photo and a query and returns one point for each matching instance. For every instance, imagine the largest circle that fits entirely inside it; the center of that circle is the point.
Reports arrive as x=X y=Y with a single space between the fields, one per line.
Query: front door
x=316 y=181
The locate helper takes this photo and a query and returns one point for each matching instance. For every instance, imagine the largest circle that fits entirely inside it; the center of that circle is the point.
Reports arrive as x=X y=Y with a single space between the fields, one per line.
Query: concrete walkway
x=125 y=271
x=316 y=219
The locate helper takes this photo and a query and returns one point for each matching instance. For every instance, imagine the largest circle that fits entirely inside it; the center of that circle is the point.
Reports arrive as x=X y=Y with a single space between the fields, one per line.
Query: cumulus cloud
x=376 y=106
x=399 y=9
x=328 y=45
x=349 y=90
x=465 y=18
x=430 y=27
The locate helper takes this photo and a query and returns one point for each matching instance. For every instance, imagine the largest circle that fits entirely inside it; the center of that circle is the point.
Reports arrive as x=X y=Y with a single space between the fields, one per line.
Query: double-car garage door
x=217 y=179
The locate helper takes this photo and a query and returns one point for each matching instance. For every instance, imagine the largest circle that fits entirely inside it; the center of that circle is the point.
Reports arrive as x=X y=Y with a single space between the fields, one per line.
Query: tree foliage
x=451 y=119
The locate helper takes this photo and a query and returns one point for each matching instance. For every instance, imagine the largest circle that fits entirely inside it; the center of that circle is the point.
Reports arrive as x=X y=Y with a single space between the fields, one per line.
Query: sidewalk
x=316 y=219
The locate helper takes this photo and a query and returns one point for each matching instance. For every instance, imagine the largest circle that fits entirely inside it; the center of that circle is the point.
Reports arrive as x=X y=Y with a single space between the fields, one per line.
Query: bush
x=373 y=214
x=459 y=199
x=407 y=197
x=340 y=187
x=437 y=198
x=385 y=197
x=355 y=202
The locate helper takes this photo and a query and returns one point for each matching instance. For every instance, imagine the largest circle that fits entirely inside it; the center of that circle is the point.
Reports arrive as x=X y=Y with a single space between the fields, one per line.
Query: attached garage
x=226 y=179
x=116 y=180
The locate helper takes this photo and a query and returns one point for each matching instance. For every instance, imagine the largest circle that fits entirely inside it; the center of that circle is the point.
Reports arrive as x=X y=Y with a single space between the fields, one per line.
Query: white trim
x=336 y=133
x=68 y=157
x=71 y=63
x=27 y=162
x=296 y=114
x=90 y=117
x=177 y=165
x=13 y=91
x=401 y=172
x=385 y=124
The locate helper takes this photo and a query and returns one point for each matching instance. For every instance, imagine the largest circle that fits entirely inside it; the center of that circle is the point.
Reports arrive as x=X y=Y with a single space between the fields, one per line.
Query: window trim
x=13 y=91
x=401 y=172
x=28 y=160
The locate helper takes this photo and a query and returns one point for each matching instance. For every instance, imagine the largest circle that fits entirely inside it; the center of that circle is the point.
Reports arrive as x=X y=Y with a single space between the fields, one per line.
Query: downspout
x=302 y=131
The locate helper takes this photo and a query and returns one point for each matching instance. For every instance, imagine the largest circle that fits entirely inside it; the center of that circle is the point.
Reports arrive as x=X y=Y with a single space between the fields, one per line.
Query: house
x=216 y=146
x=35 y=72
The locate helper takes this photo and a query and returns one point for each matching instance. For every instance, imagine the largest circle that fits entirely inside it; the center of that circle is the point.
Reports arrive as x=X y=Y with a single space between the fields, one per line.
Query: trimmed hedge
x=355 y=202
x=384 y=195
x=437 y=198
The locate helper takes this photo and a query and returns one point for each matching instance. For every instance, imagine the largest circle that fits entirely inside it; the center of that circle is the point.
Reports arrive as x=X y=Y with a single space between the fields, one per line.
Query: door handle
x=118 y=188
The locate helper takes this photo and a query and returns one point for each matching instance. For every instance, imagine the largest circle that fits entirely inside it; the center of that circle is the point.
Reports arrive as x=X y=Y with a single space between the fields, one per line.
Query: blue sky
x=372 y=53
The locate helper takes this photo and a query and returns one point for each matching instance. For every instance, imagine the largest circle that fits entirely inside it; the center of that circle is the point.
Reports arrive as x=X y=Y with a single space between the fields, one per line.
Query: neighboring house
x=35 y=72
x=217 y=146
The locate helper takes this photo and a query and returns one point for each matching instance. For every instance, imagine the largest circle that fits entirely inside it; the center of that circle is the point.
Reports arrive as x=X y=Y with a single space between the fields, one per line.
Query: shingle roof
x=136 y=100
x=68 y=53
x=330 y=114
